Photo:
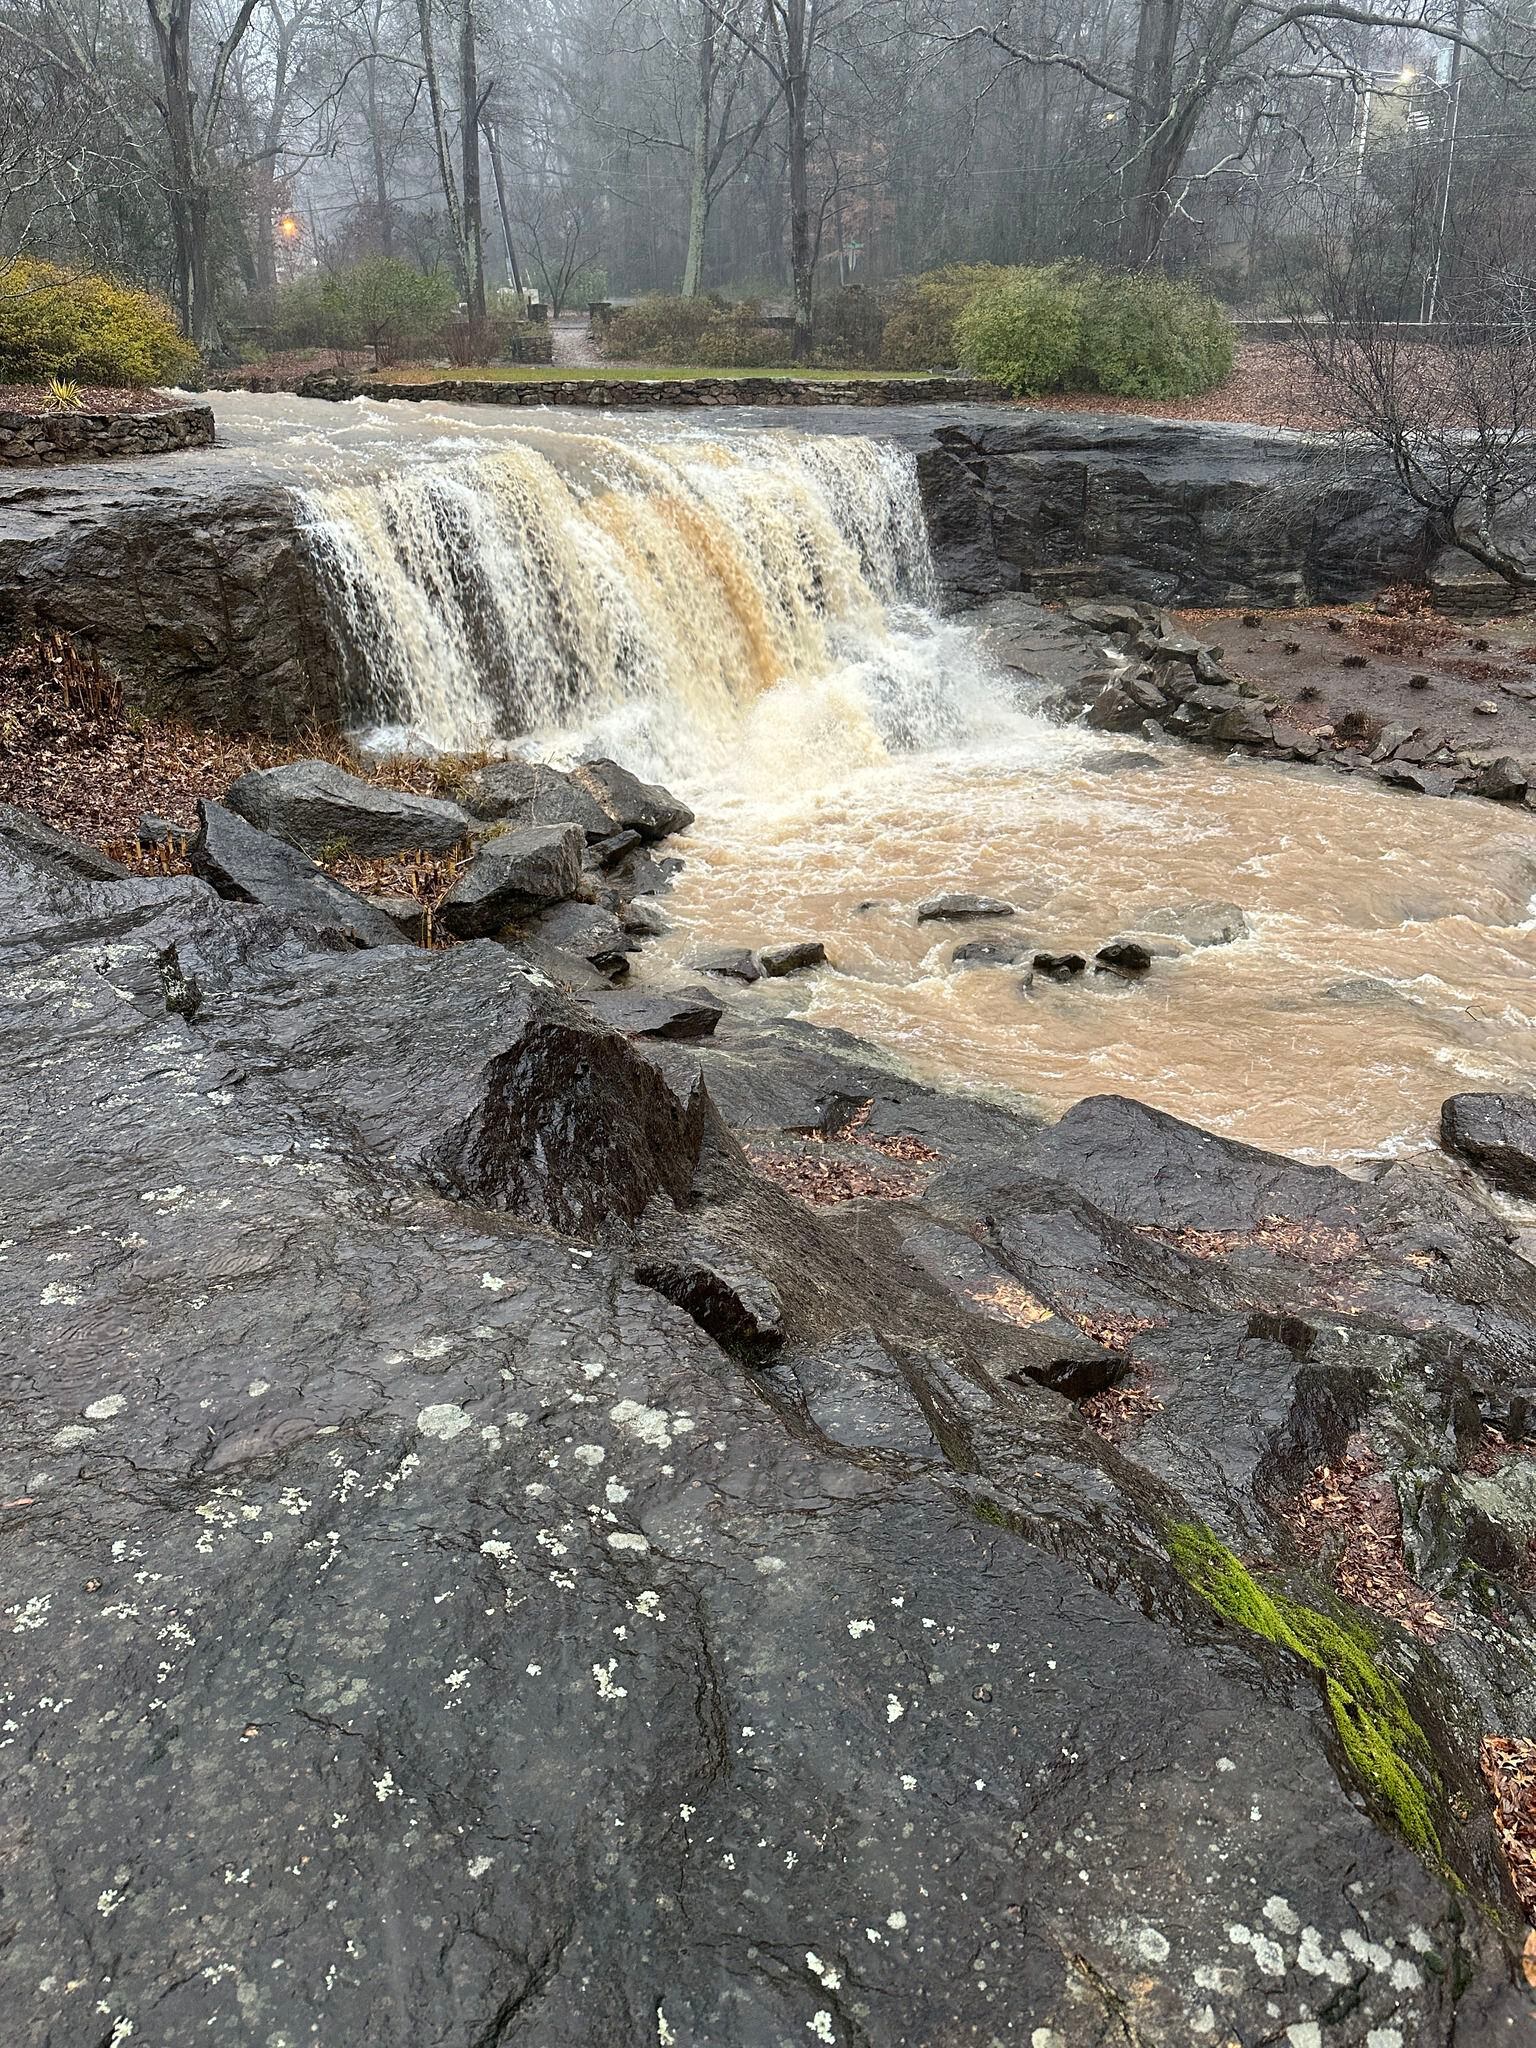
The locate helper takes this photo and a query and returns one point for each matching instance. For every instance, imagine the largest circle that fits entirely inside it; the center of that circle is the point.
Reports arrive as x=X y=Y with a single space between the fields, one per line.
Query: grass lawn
x=627 y=373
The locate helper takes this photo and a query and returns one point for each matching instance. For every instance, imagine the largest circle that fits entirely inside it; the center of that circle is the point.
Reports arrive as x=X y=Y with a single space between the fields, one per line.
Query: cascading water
x=653 y=596
x=749 y=619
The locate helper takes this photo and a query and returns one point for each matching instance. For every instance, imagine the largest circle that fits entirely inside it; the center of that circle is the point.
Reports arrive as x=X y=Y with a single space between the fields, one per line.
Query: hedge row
x=85 y=329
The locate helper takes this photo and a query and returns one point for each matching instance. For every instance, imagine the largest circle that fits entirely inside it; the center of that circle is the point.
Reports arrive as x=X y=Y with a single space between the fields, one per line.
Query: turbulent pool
x=751 y=615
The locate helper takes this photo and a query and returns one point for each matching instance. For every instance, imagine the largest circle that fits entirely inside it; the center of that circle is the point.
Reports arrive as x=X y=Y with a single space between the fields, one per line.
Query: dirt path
x=573 y=346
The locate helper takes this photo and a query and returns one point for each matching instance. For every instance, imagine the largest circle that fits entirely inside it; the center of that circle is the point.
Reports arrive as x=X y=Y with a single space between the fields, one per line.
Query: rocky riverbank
x=518 y=1524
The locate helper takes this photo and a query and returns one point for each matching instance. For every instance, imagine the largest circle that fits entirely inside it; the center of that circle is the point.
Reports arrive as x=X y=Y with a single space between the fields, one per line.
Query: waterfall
x=570 y=588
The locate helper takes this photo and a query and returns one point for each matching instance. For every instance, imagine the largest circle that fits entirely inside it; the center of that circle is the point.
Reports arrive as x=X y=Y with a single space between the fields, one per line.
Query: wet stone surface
x=420 y=1629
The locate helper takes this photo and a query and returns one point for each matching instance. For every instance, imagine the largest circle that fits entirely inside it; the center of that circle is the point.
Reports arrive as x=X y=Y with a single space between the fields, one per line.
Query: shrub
x=1073 y=328
x=659 y=329
x=920 y=324
x=850 y=324
x=83 y=328
x=470 y=343
x=1024 y=328
x=1147 y=337
x=377 y=302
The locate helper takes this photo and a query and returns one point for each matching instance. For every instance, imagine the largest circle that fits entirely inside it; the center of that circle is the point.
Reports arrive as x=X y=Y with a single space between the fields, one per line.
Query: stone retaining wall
x=641 y=393
x=28 y=439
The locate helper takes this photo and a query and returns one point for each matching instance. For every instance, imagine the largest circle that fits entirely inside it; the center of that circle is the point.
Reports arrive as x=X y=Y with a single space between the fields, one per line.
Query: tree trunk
x=1150 y=121
x=698 y=188
x=796 y=106
x=440 y=140
x=382 y=203
x=494 y=146
x=469 y=132
x=190 y=202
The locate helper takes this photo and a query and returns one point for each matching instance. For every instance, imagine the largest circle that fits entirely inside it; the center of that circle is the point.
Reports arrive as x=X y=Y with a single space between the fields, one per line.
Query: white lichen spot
x=768 y=1566
x=1239 y=1935
x=104 y=1409
x=860 y=1628
x=457 y=1680
x=479 y=1865
x=651 y=1426
x=1405 y=1976
x=1365 y=1951
x=908 y=1782
x=502 y=1552
x=1305 y=2034
x=1225 y=1763
x=896 y=1921
x=385 y=1787
x=589 y=1454
x=893 y=1707
x=107 y=1902
x=30 y=1614
x=1046 y=2037
x=827 y=1975
x=627 y=1539
x=444 y=1420
x=602 y=1678
x=1278 y=1912
x=493 y=1283
x=821 y=2026
x=1152 y=1945
x=432 y=1347
x=1384 y=2037
x=259 y=1387
x=1269 y=1956
x=1312 y=1958
x=664 y=2034
x=58 y=1295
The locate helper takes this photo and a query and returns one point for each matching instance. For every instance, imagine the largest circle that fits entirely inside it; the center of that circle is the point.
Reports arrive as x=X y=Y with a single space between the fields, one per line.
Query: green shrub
x=1024 y=329
x=378 y=303
x=922 y=311
x=1147 y=337
x=659 y=328
x=83 y=328
x=1073 y=328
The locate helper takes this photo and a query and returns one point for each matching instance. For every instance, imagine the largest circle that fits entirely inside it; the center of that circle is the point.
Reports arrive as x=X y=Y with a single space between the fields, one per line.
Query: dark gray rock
x=587 y=932
x=719 y=1288
x=1120 y=761
x=643 y=918
x=531 y=793
x=791 y=957
x=1202 y=924
x=732 y=963
x=1497 y=1135
x=1059 y=966
x=1504 y=780
x=640 y=1013
x=316 y=805
x=55 y=850
x=960 y=904
x=512 y=876
x=253 y=867
x=1125 y=956
x=633 y=805
x=1243 y=726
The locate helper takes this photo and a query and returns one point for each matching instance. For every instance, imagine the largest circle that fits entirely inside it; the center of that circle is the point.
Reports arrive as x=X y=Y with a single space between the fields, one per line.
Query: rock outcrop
x=316 y=805
x=485 y=1562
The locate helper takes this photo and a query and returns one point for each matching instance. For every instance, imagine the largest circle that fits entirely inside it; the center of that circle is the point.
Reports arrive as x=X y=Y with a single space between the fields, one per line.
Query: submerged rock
x=512 y=876
x=991 y=953
x=960 y=904
x=1497 y=1135
x=318 y=806
x=1125 y=956
x=731 y=963
x=1202 y=924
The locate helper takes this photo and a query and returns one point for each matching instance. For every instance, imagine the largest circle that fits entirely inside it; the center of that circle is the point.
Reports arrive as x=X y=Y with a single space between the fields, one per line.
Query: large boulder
x=1497 y=1135
x=531 y=793
x=318 y=806
x=633 y=805
x=512 y=876
x=55 y=850
x=254 y=867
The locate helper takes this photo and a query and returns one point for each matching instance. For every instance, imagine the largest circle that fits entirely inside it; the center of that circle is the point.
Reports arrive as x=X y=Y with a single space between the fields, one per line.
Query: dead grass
x=1309 y=1242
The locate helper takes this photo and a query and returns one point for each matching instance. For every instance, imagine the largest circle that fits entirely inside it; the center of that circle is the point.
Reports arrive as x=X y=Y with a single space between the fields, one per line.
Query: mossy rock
x=1387 y=1751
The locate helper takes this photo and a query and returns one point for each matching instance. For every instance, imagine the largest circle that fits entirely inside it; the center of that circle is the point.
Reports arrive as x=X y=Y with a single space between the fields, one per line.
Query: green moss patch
x=1387 y=1752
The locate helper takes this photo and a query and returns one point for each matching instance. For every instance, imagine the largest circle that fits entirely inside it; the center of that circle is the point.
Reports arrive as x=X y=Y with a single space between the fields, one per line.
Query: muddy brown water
x=1389 y=959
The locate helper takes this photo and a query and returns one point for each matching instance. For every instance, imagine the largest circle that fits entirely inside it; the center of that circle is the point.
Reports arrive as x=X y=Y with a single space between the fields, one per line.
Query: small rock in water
x=1124 y=956
x=991 y=953
x=736 y=963
x=961 y=904
x=1116 y=761
x=776 y=961
x=1059 y=966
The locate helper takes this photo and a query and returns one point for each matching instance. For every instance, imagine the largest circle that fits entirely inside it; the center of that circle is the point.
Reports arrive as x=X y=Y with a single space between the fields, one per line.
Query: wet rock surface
x=251 y=866
x=315 y=805
x=486 y=1561
x=1497 y=1135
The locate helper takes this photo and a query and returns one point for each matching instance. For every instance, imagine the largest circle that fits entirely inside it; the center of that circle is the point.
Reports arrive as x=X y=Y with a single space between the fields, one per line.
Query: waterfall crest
x=571 y=583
